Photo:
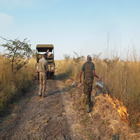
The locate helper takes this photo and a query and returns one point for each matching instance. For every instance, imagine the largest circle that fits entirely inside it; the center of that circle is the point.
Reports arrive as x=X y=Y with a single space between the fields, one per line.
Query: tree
x=33 y=53
x=18 y=53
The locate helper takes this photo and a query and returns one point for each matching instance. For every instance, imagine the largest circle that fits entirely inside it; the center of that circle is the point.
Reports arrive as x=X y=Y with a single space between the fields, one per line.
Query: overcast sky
x=110 y=27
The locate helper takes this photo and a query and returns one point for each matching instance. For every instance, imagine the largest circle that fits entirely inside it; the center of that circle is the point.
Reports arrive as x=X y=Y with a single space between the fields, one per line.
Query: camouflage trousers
x=87 y=92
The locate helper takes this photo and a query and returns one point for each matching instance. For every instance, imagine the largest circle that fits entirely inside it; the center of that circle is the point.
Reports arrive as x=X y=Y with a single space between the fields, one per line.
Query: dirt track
x=49 y=118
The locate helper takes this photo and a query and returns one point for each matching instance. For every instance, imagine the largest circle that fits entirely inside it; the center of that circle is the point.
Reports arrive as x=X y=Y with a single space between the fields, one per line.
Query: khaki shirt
x=43 y=65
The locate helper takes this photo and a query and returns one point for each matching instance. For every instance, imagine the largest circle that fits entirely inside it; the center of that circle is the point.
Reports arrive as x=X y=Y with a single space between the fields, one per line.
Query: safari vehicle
x=40 y=50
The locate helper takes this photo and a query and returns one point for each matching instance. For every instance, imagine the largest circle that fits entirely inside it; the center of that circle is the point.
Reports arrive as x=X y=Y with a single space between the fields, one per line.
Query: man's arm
x=81 y=75
x=93 y=71
x=49 y=54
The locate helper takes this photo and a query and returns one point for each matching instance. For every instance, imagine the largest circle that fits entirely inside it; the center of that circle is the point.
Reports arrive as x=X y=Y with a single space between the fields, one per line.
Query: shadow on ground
x=62 y=76
x=63 y=90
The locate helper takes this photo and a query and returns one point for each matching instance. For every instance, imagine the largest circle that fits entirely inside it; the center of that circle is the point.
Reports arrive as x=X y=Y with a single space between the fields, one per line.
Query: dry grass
x=63 y=67
x=69 y=68
x=104 y=122
x=121 y=77
x=107 y=121
x=12 y=86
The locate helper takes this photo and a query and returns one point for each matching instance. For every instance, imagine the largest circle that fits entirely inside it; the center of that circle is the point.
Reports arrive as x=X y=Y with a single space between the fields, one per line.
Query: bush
x=12 y=86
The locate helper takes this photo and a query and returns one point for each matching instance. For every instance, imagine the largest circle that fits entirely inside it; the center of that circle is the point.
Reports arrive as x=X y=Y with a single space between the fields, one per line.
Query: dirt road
x=49 y=118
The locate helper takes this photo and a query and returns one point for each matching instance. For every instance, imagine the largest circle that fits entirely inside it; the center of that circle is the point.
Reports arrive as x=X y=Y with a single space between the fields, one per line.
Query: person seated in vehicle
x=48 y=54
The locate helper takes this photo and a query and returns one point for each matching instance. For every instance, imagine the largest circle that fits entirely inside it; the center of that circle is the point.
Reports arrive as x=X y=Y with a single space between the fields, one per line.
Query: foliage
x=11 y=87
x=18 y=53
x=33 y=53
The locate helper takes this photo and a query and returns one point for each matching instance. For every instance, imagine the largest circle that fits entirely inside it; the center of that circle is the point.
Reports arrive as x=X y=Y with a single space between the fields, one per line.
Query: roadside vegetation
x=17 y=72
x=12 y=86
x=121 y=78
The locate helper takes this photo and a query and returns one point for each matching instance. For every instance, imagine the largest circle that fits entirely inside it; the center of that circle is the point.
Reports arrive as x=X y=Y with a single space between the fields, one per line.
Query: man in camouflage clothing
x=89 y=72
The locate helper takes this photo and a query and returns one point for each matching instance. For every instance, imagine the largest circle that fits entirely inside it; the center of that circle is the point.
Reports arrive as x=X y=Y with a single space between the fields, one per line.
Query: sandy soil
x=49 y=118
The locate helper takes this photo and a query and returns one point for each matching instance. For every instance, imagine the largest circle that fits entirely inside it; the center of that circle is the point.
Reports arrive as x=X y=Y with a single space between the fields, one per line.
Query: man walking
x=89 y=72
x=43 y=67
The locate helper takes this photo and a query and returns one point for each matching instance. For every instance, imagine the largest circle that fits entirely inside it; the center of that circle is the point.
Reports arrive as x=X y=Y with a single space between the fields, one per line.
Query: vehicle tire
x=53 y=76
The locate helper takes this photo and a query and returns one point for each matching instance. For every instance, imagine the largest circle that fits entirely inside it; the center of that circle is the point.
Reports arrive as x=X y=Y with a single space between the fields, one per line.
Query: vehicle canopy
x=41 y=49
x=44 y=47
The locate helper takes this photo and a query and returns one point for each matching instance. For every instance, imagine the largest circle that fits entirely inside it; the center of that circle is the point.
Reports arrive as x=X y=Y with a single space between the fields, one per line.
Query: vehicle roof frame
x=44 y=47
